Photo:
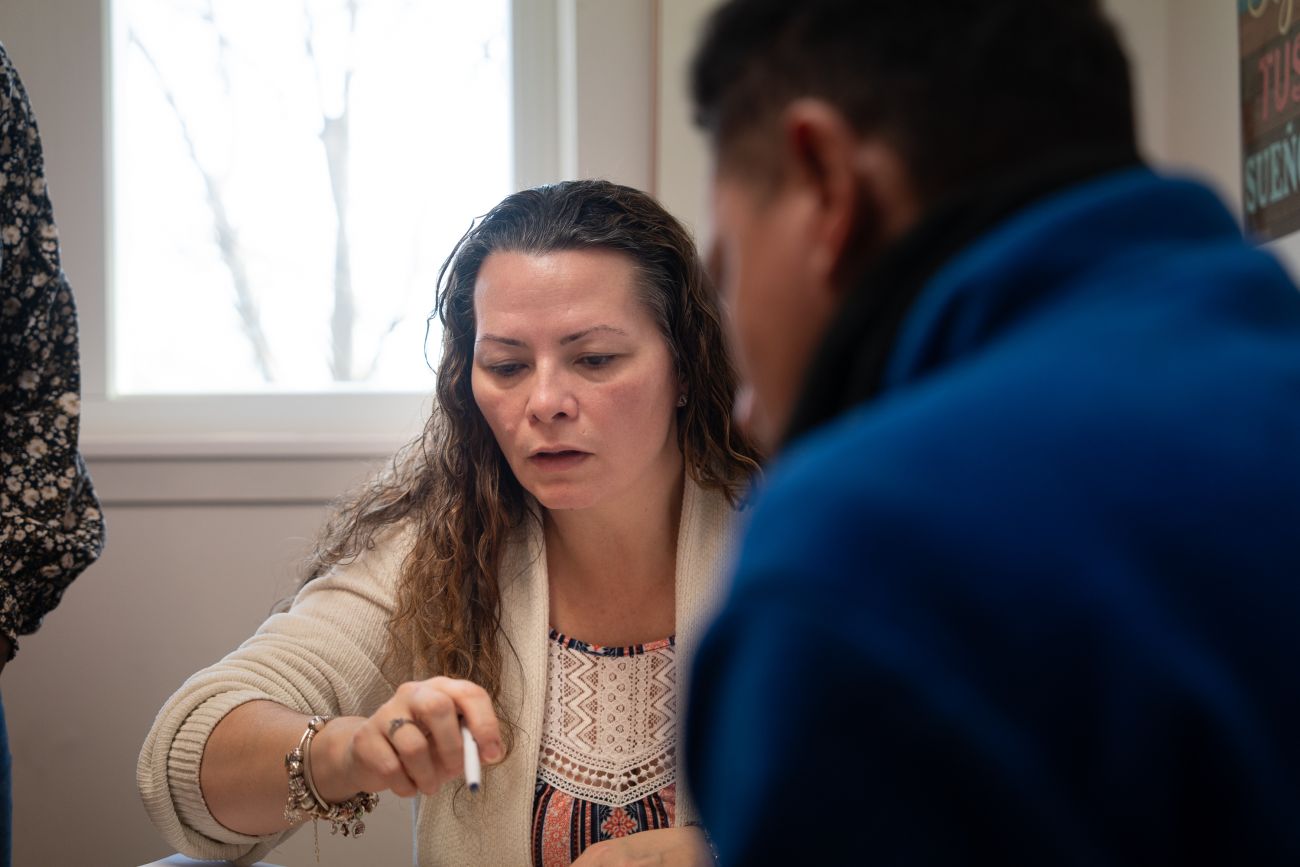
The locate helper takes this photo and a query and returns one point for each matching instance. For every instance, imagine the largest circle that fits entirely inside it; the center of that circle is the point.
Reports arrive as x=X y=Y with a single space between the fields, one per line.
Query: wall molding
x=236 y=482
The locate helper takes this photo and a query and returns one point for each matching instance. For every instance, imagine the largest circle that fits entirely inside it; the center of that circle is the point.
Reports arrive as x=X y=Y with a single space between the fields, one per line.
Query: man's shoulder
x=832 y=495
x=879 y=451
x=1051 y=444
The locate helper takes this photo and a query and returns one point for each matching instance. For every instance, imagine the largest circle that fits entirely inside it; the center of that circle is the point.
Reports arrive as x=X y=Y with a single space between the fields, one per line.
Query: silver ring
x=395 y=725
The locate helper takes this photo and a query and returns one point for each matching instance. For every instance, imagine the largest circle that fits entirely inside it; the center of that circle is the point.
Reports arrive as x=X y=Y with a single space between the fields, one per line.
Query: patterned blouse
x=609 y=746
x=50 y=525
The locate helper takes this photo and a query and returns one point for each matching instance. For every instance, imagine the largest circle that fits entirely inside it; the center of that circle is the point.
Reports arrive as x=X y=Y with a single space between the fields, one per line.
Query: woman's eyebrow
x=578 y=335
x=568 y=338
x=493 y=338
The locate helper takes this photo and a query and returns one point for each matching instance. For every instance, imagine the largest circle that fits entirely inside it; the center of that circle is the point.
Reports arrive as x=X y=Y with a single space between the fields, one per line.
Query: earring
x=681 y=400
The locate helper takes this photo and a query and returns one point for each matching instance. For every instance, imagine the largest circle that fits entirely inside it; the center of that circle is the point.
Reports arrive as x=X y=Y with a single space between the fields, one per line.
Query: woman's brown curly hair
x=452 y=484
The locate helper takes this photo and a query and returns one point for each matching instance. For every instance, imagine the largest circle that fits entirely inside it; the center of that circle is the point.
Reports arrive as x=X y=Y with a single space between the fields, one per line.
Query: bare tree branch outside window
x=226 y=237
x=319 y=146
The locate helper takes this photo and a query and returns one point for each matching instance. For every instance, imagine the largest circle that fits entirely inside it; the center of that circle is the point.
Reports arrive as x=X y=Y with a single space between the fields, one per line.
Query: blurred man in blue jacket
x=1023 y=585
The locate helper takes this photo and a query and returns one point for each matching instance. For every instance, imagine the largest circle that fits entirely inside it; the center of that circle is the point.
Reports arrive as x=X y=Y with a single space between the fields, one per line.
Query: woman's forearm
x=242 y=775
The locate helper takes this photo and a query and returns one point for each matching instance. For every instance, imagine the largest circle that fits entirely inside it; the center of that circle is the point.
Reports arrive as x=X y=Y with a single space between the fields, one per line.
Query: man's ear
x=858 y=187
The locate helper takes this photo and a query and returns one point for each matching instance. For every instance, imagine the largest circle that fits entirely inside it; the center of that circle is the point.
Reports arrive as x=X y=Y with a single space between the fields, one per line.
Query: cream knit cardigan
x=324 y=656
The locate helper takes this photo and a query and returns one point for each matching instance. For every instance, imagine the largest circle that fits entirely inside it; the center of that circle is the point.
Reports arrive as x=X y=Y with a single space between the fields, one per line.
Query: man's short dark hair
x=965 y=89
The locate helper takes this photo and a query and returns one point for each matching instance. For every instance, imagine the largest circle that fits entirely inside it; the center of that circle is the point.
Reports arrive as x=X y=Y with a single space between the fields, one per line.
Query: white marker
x=473 y=770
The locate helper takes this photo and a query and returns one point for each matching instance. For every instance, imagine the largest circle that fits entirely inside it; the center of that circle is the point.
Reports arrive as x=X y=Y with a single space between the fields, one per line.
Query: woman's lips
x=558 y=461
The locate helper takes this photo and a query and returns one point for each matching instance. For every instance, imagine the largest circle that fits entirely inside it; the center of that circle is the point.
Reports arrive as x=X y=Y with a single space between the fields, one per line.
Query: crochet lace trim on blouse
x=609 y=735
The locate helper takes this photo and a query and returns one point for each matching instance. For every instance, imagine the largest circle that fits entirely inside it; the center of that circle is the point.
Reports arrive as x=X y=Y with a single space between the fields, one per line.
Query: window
x=287 y=178
x=582 y=94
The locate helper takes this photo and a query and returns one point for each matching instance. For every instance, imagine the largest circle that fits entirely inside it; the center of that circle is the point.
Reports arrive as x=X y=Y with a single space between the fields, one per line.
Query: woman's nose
x=552 y=397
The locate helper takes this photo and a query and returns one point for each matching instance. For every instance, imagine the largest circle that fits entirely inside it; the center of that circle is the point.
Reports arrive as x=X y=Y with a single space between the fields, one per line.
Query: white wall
x=189 y=573
x=682 y=165
x=1184 y=55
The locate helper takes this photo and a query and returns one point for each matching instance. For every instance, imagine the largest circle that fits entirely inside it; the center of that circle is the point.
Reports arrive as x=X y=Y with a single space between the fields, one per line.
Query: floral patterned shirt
x=50 y=524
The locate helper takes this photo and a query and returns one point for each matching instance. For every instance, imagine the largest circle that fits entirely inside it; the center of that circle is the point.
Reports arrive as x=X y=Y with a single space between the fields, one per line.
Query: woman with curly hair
x=535 y=567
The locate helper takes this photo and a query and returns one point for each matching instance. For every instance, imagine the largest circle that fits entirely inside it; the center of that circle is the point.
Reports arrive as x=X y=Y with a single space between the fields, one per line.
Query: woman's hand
x=411 y=744
x=667 y=847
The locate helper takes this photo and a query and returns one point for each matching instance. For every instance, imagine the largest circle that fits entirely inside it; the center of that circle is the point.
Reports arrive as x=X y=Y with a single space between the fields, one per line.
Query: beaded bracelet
x=306 y=803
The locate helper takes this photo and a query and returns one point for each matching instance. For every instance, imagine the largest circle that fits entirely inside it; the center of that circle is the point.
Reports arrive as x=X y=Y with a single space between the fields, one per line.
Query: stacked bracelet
x=306 y=803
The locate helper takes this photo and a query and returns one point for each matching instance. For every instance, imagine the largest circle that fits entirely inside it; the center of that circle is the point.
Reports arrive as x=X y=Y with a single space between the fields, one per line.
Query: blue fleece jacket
x=1037 y=602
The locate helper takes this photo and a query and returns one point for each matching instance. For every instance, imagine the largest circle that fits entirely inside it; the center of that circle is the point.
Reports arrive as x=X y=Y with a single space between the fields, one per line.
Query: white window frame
x=584 y=105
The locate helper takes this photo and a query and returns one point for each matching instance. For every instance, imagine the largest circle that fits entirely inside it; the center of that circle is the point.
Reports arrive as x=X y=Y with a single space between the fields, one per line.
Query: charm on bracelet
x=306 y=803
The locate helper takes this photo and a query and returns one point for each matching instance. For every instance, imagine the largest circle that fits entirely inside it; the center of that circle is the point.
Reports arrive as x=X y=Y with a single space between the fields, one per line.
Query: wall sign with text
x=1270 y=116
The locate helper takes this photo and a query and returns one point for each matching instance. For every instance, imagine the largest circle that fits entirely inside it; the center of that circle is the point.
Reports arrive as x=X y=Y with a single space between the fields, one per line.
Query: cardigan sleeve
x=325 y=655
x=51 y=528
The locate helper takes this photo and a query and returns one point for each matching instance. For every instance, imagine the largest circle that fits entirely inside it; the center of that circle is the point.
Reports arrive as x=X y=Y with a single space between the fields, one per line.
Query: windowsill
x=241 y=470
x=264 y=446
x=256 y=427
